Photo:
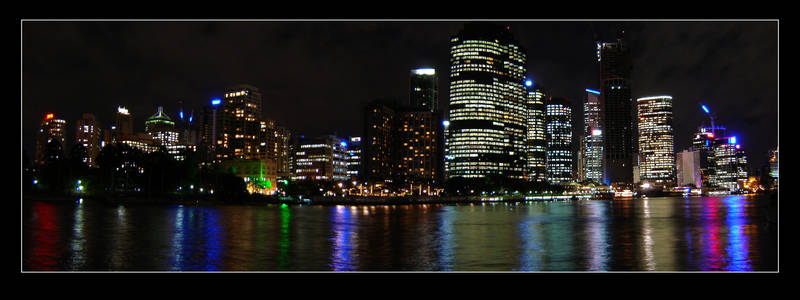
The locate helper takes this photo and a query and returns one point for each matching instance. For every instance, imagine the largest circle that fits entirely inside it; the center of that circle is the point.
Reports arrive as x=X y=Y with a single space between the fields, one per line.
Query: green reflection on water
x=283 y=244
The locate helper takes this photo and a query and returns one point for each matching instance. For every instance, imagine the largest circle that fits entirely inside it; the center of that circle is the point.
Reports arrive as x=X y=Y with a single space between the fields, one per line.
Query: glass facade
x=536 y=140
x=656 y=140
x=618 y=112
x=424 y=89
x=487 y=106
x=591 y=167
x=559 y=141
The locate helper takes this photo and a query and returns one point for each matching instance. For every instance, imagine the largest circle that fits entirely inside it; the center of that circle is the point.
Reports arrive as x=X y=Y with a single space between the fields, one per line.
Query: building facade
x=656 y=141
x=591 y=165
x=380 y=119
x=89 y=134
x=50 y=129
x=320 y=159
x=418 y=140
x=559 y=141
x=241 y=127
x=487 y=106
x=536 y=138
x=618 y=111
x=730 y=164
x=424 y=89
x=354 y=157
x=687 y=167
x=162 y=129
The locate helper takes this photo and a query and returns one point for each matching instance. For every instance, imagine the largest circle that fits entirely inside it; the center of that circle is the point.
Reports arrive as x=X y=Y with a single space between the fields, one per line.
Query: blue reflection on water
x=447 y=238
x=343 y=236
x=212 y=238
x=532 y=250
x=598 y=243
x=737 y=237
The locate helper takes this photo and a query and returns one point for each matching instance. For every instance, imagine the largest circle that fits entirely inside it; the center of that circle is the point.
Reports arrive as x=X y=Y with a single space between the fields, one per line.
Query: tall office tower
x=687 y=168
x=559 y=140
x=50 y=129
x=283 y=136
x=592 y=142
x=730 y=164
x=354 y=157
x=210 y=129
x=241 y=124
x=703 y=143
x=418 y=145
x=773 y=166
x=88 y=134
x=322 y=158
x=656 y=141
x=161 y=128
x=618 y=111
x=536 y=139
x=424 y=89
x=487 y=109
x=123 y=122
x=378 y=142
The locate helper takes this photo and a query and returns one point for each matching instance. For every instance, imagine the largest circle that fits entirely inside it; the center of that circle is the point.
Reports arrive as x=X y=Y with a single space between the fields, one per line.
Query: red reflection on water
x=45 y=240
x=713 y=255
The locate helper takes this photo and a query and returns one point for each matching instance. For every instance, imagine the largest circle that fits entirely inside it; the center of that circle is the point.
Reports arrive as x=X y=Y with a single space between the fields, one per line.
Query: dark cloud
x=316 y=75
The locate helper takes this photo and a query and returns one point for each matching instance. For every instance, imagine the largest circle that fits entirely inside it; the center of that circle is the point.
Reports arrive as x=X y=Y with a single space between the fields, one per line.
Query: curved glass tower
x=487 y=108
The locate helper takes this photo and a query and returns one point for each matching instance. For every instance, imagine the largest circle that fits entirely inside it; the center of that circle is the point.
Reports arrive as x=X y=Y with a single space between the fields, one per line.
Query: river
x=652 y=234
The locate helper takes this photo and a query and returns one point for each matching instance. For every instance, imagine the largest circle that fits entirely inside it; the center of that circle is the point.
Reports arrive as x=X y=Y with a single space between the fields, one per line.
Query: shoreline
x=316 y=200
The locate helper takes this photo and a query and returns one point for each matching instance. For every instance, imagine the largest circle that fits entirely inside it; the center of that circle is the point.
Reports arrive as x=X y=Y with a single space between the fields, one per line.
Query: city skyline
x=155 y=71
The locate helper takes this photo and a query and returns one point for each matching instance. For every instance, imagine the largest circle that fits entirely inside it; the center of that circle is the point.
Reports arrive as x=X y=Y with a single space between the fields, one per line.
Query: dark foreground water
x=662 y=234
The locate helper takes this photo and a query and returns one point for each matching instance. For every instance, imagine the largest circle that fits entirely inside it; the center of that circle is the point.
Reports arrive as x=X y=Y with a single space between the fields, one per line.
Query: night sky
x=315 y=76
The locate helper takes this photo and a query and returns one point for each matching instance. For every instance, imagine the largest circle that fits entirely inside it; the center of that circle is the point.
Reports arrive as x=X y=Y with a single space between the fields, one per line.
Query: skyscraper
x=123 y=122
x=536 y=140
x=88 y=134
x=161 y=128
x=559 y=140
x=656 y=141
x=418 y=146
x=424 y=89
x=322 y=158
x=487 y=107
x=50 y=129
x=354 y=157
x=687 y=168
x=377 y=145
x=241 y=124
x=618 y=111
x=730 y=164
x=591 y=166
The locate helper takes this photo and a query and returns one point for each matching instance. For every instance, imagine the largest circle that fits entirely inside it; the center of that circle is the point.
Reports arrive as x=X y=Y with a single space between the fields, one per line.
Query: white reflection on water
x=530 y=230
x=178 y=239
x=78 y=241
x=598 y=237
x=647 y=231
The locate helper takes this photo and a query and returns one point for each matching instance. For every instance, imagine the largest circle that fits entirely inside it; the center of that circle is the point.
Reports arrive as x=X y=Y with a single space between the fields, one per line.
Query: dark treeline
x=125 y=171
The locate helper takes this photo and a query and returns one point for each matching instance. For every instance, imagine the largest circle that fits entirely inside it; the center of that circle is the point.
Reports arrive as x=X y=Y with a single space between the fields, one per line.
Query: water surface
x=658 y=234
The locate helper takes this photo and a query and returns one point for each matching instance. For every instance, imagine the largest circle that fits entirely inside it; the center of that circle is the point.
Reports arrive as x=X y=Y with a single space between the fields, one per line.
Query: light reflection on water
x=661 y=234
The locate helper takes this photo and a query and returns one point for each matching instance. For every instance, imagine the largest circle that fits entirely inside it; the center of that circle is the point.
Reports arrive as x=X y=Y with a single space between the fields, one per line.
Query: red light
x=48 y=116
x=711 y=135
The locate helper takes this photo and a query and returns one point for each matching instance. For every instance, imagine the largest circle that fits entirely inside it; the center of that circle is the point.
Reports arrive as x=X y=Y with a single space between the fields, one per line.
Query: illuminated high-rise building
x=282 y=153
x=773 y=166
x=591 y=165
x=418 y=145
x=123 y=122
x=703 y=142
x=161 y=128
x=88 y=134
x=618 y=111
x=241 y=124
x=487 y=108
x=320 y=159
x=656 y=141
x=50 y=129
x=424 y=89
x=354 y=157
x=377 y=162
x=559 y=140
x=730 y=164
x=536 y=139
